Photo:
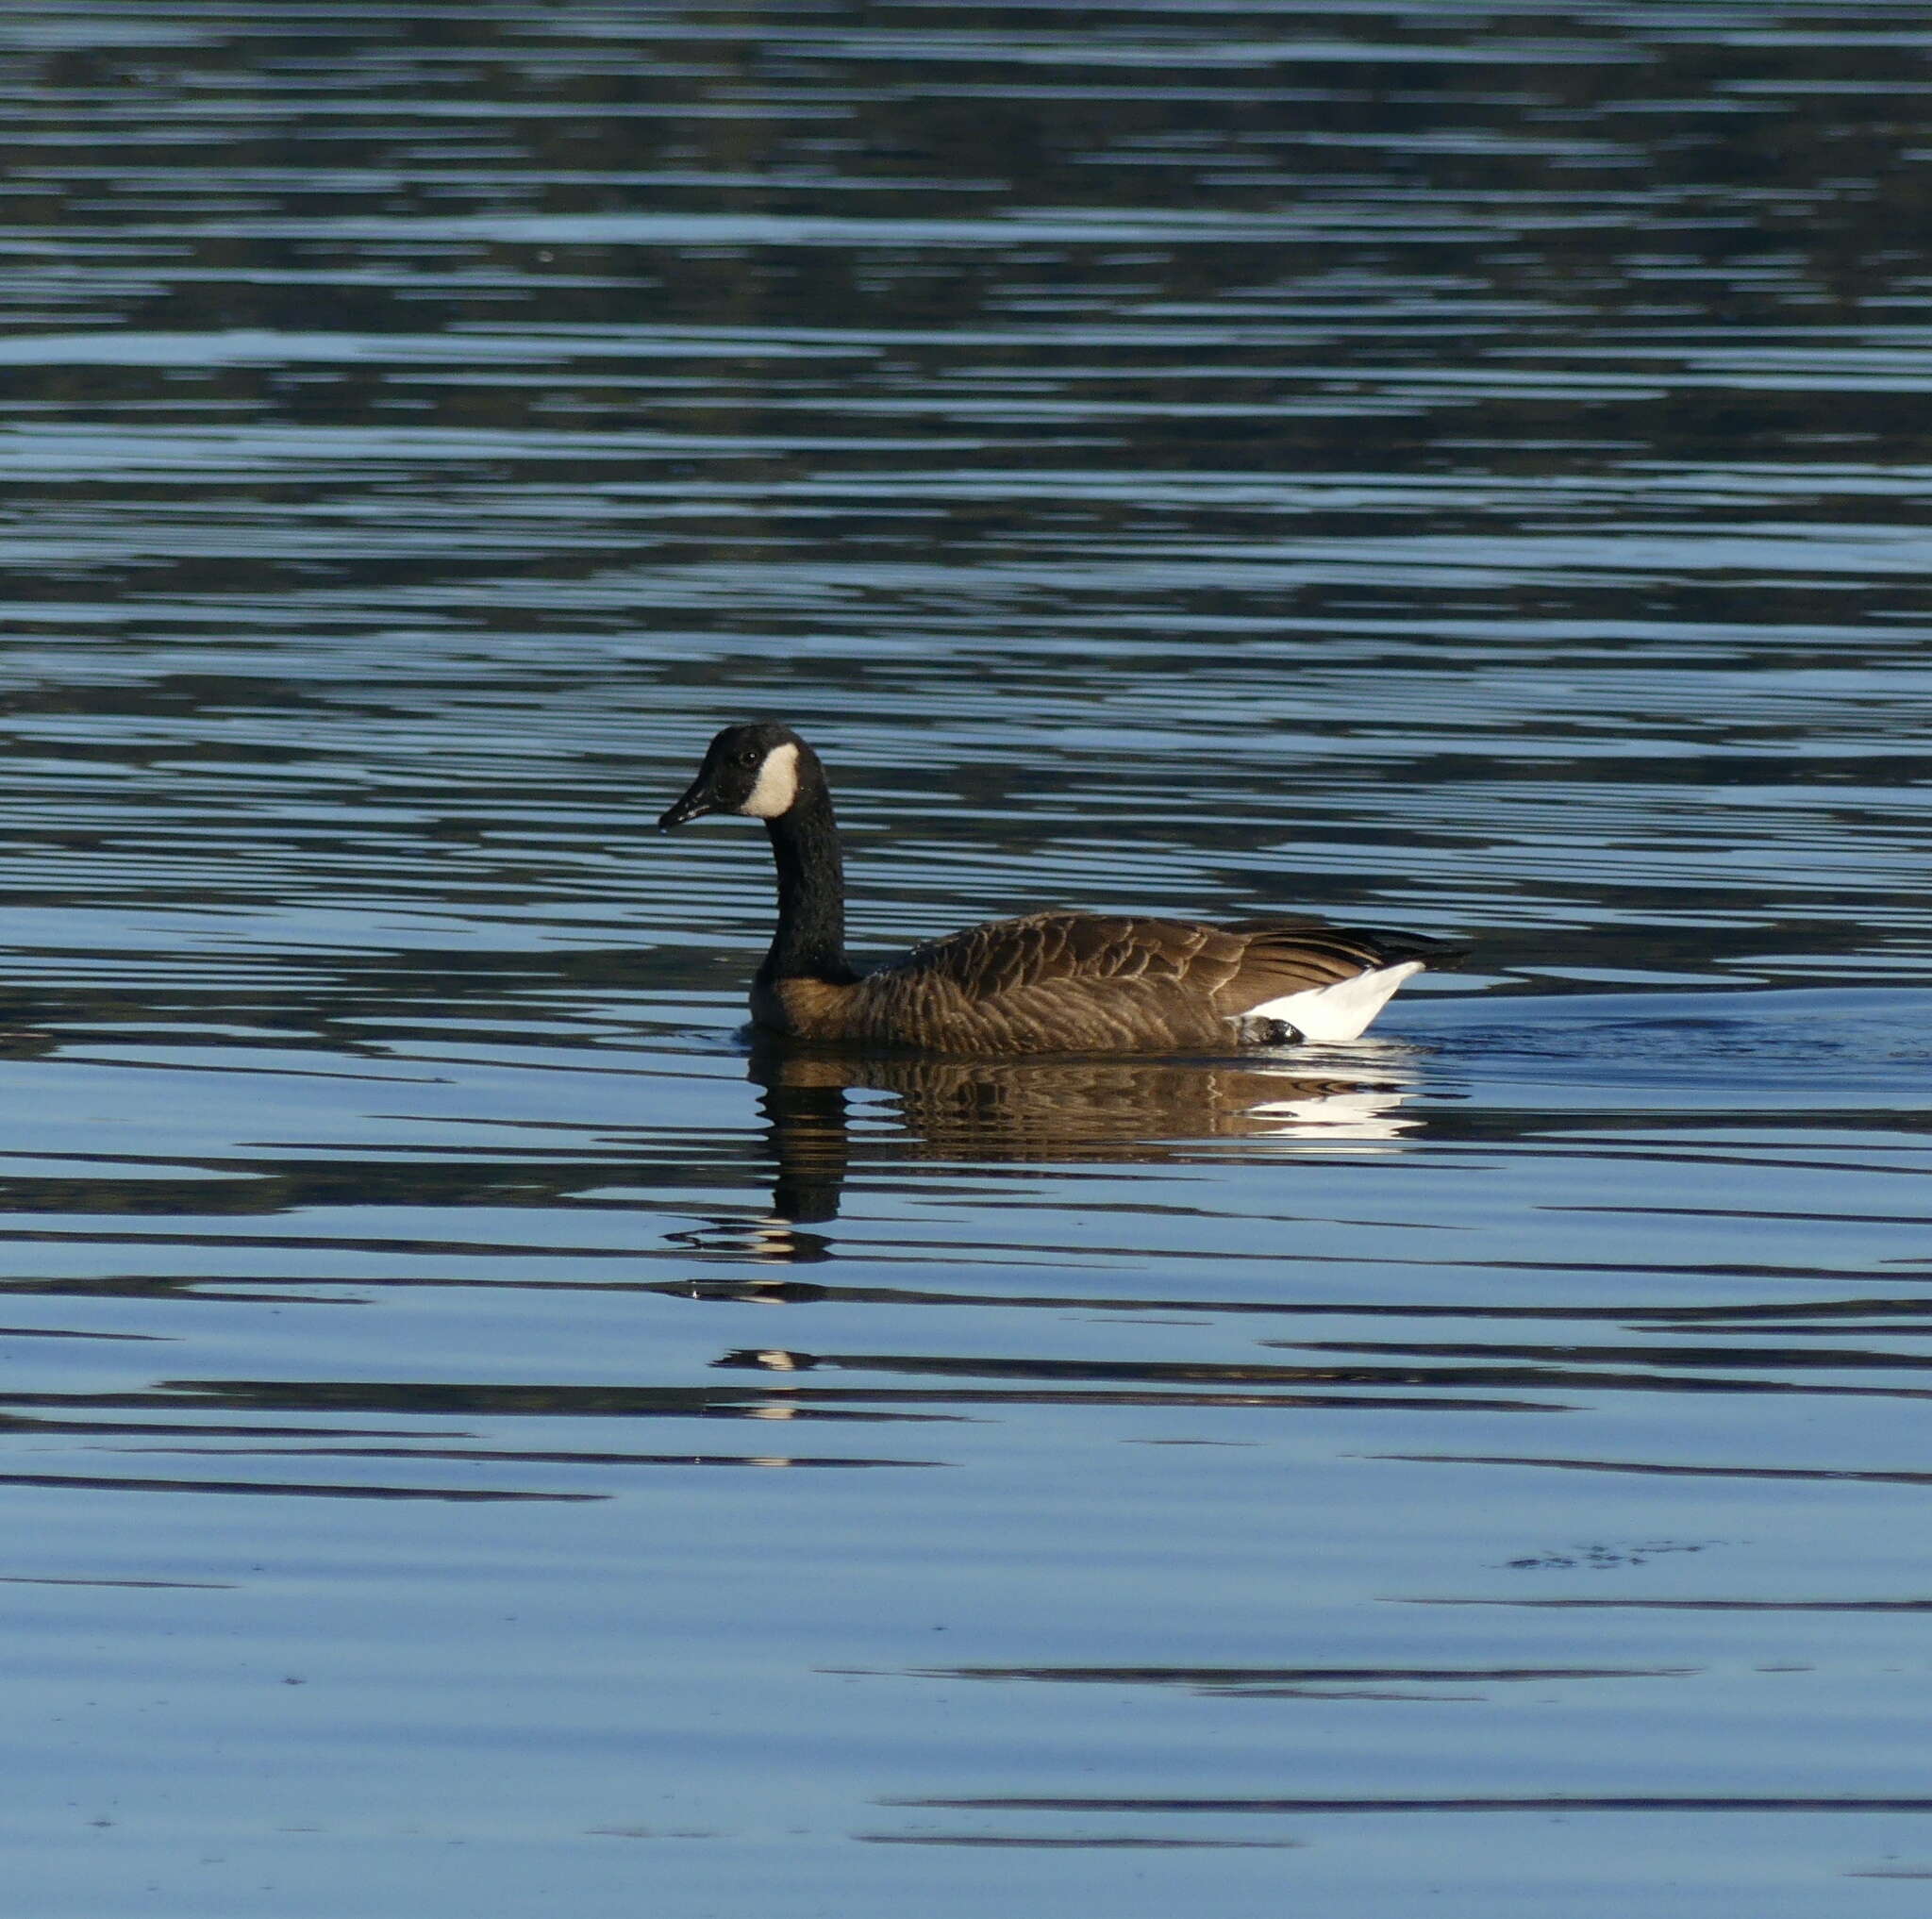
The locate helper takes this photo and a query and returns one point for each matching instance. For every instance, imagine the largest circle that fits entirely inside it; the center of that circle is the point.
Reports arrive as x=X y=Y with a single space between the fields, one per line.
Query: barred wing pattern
x=1081 y=982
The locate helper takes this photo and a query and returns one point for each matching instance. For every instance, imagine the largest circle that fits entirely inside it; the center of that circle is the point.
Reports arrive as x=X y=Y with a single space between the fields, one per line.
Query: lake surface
x=480 y=1440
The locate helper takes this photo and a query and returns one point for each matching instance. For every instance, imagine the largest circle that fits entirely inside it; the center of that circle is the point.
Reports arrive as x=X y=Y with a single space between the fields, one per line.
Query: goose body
x=1054 y=982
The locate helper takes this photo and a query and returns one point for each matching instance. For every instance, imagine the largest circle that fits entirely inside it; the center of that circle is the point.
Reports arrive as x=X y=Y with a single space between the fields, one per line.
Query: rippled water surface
x=480 y=1439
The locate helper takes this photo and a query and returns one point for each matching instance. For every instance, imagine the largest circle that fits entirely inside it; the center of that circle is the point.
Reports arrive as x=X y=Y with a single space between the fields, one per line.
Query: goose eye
x=747 y=760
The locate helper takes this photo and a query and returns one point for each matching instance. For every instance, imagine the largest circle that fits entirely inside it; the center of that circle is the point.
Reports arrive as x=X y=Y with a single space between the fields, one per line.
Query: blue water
x=481 y=1439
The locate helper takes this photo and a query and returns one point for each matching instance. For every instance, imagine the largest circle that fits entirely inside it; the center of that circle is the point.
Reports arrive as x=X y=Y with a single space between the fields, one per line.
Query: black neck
x=810 y=940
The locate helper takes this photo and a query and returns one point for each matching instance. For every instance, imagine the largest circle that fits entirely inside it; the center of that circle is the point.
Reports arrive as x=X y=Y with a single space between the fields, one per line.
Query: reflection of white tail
x=1365 y=1115
x=1331 y=1014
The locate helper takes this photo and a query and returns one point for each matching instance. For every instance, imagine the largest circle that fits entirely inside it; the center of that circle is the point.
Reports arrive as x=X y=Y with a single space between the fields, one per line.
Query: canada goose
x=1056 y=982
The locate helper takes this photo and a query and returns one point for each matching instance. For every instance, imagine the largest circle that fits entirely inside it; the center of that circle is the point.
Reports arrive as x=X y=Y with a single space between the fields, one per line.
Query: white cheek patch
x=777 y=784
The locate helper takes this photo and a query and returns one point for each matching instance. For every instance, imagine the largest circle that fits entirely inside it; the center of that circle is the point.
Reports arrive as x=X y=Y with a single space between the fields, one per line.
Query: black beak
x=695 y=804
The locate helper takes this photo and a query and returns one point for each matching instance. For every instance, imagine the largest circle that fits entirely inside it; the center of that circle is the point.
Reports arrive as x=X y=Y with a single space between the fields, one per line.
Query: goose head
x=755 y=770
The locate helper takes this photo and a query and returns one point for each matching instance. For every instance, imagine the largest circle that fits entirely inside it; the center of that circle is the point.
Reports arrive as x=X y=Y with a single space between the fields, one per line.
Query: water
x=479 y=1439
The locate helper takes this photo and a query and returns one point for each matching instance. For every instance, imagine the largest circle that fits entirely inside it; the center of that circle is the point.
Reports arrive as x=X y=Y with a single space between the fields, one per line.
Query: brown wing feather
x=1087 y=982
x=1080 y=951
x=1068 y=982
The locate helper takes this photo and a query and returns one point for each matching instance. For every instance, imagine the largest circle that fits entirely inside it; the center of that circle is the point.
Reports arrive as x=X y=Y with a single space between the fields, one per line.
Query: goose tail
x=1345 y=1009
x=1331 y=1015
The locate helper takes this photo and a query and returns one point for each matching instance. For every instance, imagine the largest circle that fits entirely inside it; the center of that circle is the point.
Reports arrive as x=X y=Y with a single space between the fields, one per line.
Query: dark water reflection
x=1456 y=468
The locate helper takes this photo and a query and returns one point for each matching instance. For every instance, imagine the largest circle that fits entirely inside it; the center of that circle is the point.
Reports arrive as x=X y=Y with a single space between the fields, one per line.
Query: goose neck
x=810 y=939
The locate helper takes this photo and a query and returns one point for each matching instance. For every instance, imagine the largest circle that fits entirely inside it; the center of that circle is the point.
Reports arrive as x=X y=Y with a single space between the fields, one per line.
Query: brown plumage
x=1057 y=982
x=1077 y=982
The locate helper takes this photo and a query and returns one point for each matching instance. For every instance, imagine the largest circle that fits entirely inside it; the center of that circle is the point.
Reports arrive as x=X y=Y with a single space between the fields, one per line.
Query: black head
x=754 y=770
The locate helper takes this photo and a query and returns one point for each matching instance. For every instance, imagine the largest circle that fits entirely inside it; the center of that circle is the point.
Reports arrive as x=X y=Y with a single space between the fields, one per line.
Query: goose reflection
x=824 y=1107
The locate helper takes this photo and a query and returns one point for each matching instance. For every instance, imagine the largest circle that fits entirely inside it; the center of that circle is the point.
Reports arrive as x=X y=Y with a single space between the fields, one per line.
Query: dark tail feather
x=1371 y=946
x=1396 y=947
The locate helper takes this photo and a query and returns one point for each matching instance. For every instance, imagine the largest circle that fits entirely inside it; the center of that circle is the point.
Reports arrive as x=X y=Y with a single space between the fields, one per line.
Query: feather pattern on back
x=1087 y=982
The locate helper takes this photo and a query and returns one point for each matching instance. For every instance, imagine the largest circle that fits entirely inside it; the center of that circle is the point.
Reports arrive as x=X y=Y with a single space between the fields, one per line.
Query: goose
x=1052 y=982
